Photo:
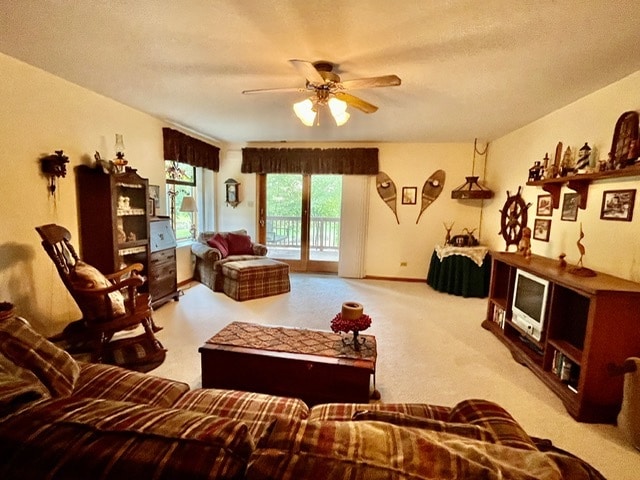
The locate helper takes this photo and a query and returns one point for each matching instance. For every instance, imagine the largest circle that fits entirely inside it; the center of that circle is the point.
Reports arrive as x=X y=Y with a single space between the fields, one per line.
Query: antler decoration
x=448 y=228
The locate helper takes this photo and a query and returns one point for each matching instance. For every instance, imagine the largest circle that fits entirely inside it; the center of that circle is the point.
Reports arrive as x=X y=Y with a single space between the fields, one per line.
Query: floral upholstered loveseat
x=63 y=419
x=211 y=253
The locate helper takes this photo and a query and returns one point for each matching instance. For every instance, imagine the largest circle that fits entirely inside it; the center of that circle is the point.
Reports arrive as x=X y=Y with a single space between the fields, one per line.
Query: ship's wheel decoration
x=513 y=219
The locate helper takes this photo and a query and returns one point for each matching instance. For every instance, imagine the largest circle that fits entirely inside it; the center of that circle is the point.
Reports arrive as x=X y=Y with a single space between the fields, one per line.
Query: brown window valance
x=345 y=161
x=189 y=150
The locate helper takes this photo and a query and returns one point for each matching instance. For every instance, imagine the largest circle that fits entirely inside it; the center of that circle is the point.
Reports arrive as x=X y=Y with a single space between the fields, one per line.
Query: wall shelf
x=580 y=183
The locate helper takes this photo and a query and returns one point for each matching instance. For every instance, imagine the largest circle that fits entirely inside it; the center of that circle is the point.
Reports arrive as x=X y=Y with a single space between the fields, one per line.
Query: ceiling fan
x=327 y=89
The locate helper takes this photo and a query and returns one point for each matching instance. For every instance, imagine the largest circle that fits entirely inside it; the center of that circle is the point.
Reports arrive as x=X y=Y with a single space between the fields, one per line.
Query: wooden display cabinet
x=592 y=325
x=114 y=219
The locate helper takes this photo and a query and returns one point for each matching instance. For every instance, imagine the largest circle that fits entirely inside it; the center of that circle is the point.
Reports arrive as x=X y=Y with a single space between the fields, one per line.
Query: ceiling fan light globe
x=337 y=106
x=305 y=112
x=341 y=119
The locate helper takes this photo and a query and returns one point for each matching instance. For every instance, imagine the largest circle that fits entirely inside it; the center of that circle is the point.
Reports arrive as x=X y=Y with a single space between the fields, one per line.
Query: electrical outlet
x=403 y=264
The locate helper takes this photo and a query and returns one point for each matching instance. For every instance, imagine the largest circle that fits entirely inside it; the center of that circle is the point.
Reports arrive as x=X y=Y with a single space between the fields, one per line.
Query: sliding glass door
x=300 y=219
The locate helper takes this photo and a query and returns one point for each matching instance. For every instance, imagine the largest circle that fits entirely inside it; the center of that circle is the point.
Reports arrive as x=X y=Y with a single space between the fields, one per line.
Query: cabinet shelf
x=131 y=212
x=567 y=349
x=580 y=183
x=592 y=322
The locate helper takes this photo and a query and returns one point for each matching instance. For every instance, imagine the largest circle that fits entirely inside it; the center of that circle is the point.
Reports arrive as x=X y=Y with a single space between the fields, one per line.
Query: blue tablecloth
x=459 y=274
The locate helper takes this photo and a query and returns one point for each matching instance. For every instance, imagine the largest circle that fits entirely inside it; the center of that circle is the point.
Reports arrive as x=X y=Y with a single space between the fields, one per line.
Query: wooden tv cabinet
x=592 y=325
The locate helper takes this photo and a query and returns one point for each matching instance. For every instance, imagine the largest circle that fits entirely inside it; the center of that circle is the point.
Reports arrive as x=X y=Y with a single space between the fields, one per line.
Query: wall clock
x=513 y=218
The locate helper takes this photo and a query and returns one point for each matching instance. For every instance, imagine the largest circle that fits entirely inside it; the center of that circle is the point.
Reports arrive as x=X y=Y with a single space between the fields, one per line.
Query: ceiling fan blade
x=275 y=90
x=372 y=82
x=356 y=102
x=308 y=71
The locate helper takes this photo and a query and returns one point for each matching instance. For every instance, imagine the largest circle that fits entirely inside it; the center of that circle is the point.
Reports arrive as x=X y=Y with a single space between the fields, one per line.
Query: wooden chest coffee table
x=312 y=365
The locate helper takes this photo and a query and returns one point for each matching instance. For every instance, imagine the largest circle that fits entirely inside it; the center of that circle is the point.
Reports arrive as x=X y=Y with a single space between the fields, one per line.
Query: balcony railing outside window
x=286 y=232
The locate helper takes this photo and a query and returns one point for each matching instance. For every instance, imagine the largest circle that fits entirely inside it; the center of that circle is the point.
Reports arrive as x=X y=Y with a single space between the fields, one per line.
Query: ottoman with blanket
x=255 y=278
x=63 y=419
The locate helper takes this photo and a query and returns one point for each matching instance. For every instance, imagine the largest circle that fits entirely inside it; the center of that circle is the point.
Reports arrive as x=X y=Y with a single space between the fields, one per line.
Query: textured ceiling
x=469 y=68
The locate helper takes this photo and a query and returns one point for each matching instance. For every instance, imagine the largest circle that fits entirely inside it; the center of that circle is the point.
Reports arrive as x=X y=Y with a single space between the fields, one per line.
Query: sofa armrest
x=259 y=249
x=205 y=252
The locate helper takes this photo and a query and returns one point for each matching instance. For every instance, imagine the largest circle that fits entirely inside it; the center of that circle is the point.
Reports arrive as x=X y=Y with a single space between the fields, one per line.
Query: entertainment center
x=571 y=331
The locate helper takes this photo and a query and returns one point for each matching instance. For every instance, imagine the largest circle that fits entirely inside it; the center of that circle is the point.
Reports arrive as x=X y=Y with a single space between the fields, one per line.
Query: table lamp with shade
x=189 y=205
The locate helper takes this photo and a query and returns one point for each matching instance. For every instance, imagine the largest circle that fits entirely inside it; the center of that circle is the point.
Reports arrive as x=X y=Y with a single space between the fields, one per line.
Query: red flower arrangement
x=339 y=324
x=346 y=325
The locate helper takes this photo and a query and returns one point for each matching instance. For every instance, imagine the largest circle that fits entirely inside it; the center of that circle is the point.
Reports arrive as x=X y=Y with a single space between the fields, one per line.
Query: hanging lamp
x=471 y=189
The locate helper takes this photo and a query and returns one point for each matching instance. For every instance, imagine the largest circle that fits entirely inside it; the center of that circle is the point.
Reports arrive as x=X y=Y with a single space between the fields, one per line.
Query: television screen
x=529 y=297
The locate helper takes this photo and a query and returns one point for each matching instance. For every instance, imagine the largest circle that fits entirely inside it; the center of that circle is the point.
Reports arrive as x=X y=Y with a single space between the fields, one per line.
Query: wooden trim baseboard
x=395 y=279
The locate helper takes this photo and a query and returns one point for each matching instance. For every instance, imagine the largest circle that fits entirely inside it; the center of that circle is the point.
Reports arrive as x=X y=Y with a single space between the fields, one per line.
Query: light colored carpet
x=431 y=349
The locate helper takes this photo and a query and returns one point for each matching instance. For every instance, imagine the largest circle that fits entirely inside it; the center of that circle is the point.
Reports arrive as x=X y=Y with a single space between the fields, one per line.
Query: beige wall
x=611 y=246
x=41 y=113
x=243 y=216
x=409 y=165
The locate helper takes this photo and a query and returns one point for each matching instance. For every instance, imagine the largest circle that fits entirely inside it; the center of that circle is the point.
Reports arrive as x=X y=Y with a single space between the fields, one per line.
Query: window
x=180 y=182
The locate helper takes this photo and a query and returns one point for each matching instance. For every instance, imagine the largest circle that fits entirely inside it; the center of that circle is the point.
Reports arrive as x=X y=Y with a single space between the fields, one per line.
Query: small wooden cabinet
x=114 y=218
x=163 y=283
x=592 y=322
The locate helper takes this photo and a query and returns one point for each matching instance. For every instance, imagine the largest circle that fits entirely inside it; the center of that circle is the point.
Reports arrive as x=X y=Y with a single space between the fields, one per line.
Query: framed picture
x=618 y=205
x=151 y=207
x=154 y=192
x=154 y=199
x=541 y=229
x=570 y=207
x=409 y=195
x=545 y=206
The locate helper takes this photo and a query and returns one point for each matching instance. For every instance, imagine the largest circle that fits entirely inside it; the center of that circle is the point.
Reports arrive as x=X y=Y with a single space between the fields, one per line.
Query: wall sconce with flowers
x=232 y=192
x=54 y=166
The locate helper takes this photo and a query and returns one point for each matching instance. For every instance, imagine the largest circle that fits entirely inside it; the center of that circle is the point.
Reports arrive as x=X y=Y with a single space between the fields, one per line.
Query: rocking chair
x=111 y=306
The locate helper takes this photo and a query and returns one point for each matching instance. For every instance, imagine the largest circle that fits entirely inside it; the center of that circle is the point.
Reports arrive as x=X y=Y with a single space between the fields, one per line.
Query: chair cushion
x=87 y=276
x=239 y=244
x=28 y=349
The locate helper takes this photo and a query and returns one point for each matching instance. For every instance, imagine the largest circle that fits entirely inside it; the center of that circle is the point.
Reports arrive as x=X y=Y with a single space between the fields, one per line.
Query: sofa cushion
x=91 y=438
x=377 y=450
x=494 y=418
x=239 y=244
x=110 y=382
x=346 y=411
x=257 y=410
x=18 y=391
x=29 y=350
x=463 y=429
x=93 y=307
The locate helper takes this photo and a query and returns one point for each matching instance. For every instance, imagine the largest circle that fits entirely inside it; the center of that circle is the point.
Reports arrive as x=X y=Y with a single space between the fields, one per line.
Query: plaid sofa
x=63 y=419
x=209 y=260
